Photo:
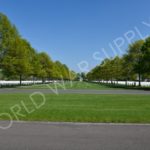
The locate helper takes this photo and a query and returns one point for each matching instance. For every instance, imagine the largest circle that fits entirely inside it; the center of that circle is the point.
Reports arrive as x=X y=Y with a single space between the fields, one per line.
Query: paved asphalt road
x=69 y=136
x=14 y=90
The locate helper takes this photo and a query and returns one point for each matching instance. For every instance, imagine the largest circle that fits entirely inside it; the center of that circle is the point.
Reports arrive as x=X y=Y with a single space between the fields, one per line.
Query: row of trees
x=18 y=60
x=134 y=65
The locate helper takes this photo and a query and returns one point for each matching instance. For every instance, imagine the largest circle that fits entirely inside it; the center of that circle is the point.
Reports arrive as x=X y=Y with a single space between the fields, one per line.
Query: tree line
x=19 y=60
x=132 y=66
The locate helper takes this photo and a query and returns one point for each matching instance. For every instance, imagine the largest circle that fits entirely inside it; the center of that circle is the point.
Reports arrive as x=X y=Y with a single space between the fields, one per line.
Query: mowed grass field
x=77 y=108
x=68 y=85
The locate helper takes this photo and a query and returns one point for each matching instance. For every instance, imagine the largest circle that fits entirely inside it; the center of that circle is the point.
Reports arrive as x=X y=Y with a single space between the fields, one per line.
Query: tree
x=17 y=59
x=107 y=69
x=73 y=75
x=45 y=68
x=127 y=68
x=65 y=71
x=136 y=57
x=83 y=76
x=117 y=68
x=146 y=56
x=62 y=71
x=8 y=33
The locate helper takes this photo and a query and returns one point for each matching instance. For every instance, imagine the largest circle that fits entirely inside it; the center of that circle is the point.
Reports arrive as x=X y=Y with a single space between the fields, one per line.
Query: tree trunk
x=139 y=70
x=111 y=81
x=20 y=80
x=139 y=79
x=43 y=80
x=33 y=80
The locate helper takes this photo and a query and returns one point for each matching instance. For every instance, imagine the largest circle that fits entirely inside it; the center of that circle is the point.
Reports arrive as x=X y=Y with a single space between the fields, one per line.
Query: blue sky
x=72 y=31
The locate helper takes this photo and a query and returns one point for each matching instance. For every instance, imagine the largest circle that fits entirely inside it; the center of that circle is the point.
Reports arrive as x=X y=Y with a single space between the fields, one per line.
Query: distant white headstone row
x=18 y=82
x=145 y=84
x=2 y=82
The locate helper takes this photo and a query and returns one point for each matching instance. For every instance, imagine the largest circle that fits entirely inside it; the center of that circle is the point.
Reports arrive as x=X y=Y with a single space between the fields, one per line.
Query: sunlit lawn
x=78 y=108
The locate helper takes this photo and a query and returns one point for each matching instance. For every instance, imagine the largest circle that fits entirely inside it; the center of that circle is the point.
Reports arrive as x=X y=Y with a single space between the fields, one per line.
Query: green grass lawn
x=79 y=108
x=68 y=85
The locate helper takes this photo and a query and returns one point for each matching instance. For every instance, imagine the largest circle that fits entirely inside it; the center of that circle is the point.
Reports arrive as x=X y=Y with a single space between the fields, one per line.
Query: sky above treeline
x=80 y=33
